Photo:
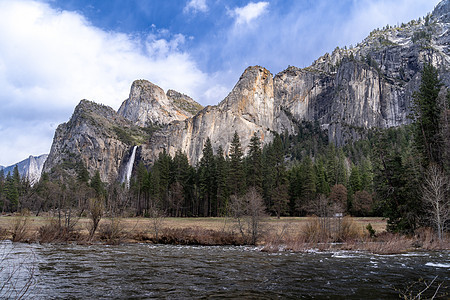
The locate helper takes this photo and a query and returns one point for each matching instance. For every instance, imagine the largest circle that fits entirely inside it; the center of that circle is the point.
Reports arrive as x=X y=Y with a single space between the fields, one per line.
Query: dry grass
x=294 y=224
x=19 y=228
x=112 y=231
x=197 y=236
x=53 y=232
x=292 y=234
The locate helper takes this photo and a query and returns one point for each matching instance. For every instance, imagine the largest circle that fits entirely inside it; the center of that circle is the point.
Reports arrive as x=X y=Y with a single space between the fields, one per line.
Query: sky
x=53 y=53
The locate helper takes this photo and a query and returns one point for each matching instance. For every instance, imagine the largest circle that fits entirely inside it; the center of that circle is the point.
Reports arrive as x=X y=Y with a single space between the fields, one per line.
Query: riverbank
x=274 y=235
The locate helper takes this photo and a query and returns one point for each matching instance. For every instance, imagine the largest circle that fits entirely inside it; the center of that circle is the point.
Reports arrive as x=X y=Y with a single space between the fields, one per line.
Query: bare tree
x=255 y=214
x=95 y=213
x=338 y=198
x=249 y=211
x=363 y=202
x=237 y=211
x=17 y=274
x=434 y=194
x=157 y=220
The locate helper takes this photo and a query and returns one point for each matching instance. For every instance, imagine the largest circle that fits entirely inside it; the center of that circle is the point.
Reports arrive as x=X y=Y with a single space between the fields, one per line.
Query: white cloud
x=246 y=14
x=50 y=60
x=367 y=15
x=196 y=6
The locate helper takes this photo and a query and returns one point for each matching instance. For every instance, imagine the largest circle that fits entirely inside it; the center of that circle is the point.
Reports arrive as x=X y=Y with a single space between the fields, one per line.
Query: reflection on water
x=140 y=271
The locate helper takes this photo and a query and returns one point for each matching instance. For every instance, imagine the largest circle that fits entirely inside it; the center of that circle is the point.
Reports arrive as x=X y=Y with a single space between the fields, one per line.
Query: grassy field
x=288 y=233
x=291 y=225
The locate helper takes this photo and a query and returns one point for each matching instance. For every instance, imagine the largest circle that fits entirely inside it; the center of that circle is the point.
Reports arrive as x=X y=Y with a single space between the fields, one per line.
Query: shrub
x=56 y=232
x=112 y=231
x=370 y=230
x=20 y=228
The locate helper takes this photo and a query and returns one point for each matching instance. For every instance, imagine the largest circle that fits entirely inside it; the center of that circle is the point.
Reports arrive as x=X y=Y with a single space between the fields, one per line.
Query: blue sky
x=53 y=53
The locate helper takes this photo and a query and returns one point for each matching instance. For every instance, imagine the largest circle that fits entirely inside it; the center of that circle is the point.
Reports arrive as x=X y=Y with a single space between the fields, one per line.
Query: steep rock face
x=442 y=11
x=347 y=91
x=97 y=137
x=148 y=105
x=249 y=108
x=30 y=168
x=370 y=85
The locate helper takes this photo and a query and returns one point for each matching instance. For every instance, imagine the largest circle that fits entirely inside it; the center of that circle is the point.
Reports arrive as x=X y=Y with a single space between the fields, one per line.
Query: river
x=141 y=271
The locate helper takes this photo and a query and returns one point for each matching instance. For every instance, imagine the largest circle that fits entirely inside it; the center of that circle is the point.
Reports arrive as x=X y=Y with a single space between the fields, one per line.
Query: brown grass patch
x=197 y=236
x=55 y=232
x=111 y=231
x=291 y=233
x=19 y=229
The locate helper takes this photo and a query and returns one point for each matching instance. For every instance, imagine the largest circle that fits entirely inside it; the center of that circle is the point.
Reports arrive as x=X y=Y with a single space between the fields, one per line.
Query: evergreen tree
x=354 y=185
x=11 y=193
x=207 y=180
x=366 y=175
x=236 y=170
x=427 y=114
x=322 y=186
x=2 y=190
x=82 y=173
x=396 y=185
x=140 y=189
x=162 y=167
x=355 y=180
x=254 y=165
x=222 y=179
x=268 y=173
x=278 y=157
x=16 y=176
x=98 y=186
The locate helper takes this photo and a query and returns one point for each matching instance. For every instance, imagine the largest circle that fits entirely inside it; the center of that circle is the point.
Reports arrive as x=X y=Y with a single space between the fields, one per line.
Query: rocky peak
x=249 y=108
x=30 y=168
x=148 y=104
x=348 y=91
x=442 y=11
x=252 y=97
x=96 y=136
x=184 y=103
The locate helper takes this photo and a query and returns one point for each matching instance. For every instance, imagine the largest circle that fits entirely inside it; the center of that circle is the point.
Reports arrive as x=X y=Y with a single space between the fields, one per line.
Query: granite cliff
x=149 y=105
x=97 y=137
x=347 y=91
x=30 y=168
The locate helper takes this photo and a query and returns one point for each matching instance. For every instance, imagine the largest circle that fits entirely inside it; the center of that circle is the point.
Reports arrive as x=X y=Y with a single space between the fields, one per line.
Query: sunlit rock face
x=248 y=109
x=30 y=168
x=346 y=92
x=371 y=84
x=95 y=136
x=149 y=105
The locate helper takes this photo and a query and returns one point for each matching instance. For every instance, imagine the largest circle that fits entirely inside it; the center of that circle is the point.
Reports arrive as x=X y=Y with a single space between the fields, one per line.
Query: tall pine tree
x=254 y=163
x=427 y=115
x=236 y=171
x=207 y=180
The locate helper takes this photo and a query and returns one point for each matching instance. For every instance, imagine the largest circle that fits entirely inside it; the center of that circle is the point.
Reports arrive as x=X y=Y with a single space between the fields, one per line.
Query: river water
x=141 y=271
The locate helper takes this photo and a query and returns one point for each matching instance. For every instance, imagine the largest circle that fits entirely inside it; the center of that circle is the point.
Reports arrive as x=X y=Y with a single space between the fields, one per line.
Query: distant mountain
x=346 y=92
x=30 y=168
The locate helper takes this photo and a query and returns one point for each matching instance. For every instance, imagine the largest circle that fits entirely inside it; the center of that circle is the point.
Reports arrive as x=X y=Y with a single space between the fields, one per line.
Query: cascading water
x=129 y=167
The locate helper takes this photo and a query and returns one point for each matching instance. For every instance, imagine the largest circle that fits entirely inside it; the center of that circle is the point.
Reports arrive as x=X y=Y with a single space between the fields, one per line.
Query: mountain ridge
x=347 y=92
x=29 y=168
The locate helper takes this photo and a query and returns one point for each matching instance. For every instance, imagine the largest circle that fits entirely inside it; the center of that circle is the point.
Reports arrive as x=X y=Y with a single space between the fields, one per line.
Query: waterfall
x=129 y=167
